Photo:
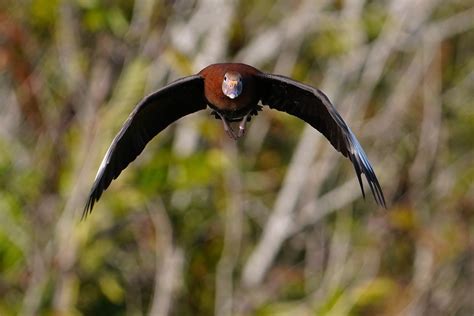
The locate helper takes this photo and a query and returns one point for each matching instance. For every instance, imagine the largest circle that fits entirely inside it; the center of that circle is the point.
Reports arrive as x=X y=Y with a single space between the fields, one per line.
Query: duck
x=234 y=92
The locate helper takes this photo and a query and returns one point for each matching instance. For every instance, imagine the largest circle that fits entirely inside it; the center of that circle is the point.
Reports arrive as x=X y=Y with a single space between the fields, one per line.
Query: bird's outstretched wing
x=153 y=114
x=313 y=106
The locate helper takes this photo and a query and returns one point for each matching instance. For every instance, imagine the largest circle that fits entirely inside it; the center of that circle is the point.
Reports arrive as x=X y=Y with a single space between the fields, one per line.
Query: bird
x=234 y=92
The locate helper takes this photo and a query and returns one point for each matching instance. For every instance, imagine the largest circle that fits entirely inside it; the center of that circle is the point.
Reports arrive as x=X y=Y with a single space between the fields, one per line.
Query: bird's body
x=233 y=91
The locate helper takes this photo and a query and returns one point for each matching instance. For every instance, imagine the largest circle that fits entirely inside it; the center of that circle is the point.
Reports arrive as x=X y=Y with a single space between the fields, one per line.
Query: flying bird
x=233 y=92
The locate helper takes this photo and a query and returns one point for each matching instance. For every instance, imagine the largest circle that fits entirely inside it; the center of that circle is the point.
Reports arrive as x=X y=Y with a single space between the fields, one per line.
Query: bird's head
x=232 y=84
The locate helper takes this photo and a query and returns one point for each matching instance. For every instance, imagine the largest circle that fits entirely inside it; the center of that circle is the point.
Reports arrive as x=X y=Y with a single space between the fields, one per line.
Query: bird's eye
x=225 y=78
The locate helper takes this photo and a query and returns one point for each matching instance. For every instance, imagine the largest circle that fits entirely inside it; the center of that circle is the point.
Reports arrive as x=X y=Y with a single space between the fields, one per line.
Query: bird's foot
x=230 y=132
x=241 y=131
x=227 y=128
x=244 y=121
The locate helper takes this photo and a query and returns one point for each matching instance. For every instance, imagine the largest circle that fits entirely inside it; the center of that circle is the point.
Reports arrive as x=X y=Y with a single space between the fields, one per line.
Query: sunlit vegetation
x=273 y=224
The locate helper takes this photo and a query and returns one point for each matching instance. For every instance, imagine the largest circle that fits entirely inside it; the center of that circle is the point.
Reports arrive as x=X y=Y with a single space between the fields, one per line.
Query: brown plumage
x=233 y=92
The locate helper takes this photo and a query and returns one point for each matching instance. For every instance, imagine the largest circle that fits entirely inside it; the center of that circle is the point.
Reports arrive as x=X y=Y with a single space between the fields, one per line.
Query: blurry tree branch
x=14 y=58
x=169 y=263
x=233 y=222
x=280 y=222
x=430 y=124
x=66 y=226
x=399 y=72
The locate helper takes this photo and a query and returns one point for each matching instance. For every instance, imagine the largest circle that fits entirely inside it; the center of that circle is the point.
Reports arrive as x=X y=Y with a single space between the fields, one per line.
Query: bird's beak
x=232 y=88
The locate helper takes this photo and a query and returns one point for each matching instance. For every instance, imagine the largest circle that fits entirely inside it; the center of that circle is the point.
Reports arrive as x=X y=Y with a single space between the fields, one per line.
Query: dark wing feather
x=314 y=107
x=154 y=113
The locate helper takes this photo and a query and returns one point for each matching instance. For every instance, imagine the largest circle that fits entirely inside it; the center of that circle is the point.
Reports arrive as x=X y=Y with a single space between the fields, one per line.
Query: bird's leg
x=227 y=128
x=243 y=122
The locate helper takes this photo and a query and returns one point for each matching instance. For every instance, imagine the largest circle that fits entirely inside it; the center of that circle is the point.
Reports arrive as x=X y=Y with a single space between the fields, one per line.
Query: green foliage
x=44 y=13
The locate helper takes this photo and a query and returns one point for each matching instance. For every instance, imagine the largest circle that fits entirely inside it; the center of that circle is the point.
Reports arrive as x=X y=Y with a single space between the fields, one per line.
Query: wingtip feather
x=362 y=165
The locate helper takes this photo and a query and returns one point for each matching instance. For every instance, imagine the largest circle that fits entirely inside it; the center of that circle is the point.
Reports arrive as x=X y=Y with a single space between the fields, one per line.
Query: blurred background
x=273 y=224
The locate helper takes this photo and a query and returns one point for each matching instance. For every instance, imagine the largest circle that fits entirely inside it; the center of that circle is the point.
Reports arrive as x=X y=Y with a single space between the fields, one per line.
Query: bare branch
x=169 y=262
x=233 y=235
x=280 y=222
